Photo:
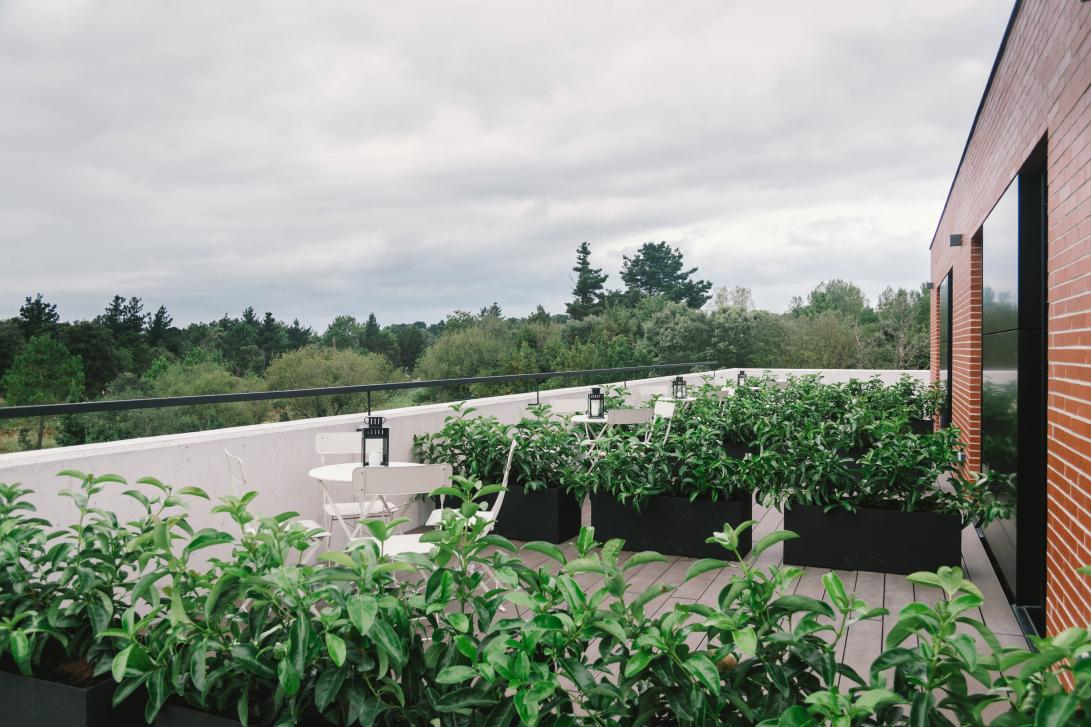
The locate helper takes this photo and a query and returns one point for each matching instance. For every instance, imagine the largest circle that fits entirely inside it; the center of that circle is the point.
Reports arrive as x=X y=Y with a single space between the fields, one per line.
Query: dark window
x=1013 y=317
x=945 y=311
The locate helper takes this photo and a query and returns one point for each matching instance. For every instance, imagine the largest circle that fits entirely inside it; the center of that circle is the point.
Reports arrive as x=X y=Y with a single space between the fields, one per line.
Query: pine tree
x=37 y=317
x=656 y=269
x=588 y=292
x=272 y=338
x=159 y=326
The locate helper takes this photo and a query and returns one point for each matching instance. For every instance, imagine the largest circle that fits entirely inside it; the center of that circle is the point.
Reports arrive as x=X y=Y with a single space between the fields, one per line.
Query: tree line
x=662 y=313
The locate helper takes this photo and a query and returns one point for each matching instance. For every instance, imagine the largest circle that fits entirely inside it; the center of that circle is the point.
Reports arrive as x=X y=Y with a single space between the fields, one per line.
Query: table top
x=685 y=400
x=584 y=419
x=342 y=471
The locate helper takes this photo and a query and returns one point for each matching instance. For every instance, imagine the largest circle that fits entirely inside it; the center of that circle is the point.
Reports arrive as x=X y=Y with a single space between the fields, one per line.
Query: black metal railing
x=84 y=407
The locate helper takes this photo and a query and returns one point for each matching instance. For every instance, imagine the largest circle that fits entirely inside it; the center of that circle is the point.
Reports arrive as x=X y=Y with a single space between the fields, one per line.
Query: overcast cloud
x=413 y=158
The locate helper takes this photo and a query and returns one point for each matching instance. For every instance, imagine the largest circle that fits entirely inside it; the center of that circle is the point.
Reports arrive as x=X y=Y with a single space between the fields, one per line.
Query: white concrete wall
x=278 y=456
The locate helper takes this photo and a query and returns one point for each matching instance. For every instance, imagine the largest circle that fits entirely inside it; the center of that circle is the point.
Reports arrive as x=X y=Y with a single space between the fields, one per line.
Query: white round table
x=587 y=421
x=342 y=471
x=584 y=419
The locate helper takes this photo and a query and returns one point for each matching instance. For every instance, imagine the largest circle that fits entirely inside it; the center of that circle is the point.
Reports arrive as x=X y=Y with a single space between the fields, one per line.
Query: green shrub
x=546 y=455
x=472 y=635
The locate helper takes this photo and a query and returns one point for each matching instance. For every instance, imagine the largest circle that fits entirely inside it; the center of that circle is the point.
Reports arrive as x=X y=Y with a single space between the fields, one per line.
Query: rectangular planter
x=176 y=715
x=549 y=514
x=886 y=541
x=670 y=525
x=739 y=451
x=921 y=426
x=31 y=702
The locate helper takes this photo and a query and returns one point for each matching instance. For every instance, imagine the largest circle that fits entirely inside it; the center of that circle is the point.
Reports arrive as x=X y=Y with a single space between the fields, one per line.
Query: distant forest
x=662 y=313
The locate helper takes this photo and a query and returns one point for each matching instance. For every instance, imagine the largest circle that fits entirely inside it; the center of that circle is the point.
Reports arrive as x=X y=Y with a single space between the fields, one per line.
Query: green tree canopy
x=11 y=340
x=317 y=366
x=102 y=360
x=344 y=332
x=658 y=269
x=838 y=296
x=902 y=330
x=43 y=372
x=679 y=333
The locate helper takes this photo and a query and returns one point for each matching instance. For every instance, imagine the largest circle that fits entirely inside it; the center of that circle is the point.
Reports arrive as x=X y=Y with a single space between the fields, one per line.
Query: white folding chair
x=382 y=485
x=493 y=512
x=617 y=418
x=239 y=487
x=662 y=410
x=341 y=444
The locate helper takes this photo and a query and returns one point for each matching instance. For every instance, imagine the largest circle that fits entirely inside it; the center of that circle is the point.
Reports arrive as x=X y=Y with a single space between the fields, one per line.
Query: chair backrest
x=615 y=417
x=238 y=475
x=495 y=510
x=725 y=394
x=663 y=409
x=372 y=482
x=328 y=443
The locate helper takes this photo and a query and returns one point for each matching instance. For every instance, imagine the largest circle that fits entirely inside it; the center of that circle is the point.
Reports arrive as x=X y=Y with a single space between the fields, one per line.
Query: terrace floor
x=865 y=640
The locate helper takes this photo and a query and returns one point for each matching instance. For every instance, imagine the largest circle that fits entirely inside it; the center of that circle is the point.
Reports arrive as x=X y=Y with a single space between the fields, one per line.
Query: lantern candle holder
x=375 y=440
x=596 y=404
x=741 y=379
x=678 y=388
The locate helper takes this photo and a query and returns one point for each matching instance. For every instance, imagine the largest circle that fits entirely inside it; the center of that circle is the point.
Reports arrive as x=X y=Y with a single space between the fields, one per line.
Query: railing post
x=537 y=392
x=369 y=402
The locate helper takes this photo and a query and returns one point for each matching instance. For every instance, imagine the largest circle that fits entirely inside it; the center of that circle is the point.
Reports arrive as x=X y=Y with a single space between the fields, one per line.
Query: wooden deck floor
x=865 y=640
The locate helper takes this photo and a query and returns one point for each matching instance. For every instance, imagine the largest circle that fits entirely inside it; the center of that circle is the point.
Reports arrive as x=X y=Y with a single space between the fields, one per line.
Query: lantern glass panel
x=679 y=388
x=376 y=442
x=596 y=404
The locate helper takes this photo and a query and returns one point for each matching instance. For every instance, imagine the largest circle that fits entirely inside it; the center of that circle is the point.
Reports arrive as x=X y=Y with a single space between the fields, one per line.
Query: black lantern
x=596 y=404
x=375 y=445
x=678 y=388
x=742 y=378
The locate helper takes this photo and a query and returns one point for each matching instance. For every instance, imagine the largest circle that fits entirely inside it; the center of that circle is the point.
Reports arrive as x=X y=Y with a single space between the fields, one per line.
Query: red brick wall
x=1041 y=89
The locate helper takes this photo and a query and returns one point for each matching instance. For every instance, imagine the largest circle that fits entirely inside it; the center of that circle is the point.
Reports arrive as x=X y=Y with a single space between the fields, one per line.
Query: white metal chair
x=373 y=485
x=342 y=444
x=617 y=418
x=493 y=512
x=662 y=410
x=239 y=486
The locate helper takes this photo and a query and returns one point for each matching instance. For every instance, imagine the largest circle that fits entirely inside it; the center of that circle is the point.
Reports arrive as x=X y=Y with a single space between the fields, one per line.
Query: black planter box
x=548 y=514
x=922 y=426
x=886 y=541
x=31 y=702
x=738 y=451
x=175 y=715
x=670 y=525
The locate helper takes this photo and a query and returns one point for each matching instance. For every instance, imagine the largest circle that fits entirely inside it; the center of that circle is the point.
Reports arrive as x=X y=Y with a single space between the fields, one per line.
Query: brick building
x=1011 y=309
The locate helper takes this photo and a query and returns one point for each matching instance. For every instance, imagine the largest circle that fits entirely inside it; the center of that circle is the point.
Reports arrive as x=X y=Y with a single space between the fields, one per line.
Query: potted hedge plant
x=900 y=508
x=62 y=595
x=542 y=501
x=670 y=492
x=470 y=634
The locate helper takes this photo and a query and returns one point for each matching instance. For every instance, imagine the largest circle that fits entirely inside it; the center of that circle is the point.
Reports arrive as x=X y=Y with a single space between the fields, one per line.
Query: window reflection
x=1000 y=370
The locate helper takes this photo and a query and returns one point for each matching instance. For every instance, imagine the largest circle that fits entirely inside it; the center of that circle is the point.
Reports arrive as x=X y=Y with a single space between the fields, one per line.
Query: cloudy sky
x=413 y=158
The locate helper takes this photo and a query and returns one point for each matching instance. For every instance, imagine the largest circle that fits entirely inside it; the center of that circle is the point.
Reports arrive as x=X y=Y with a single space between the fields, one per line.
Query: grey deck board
x=864 y=640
